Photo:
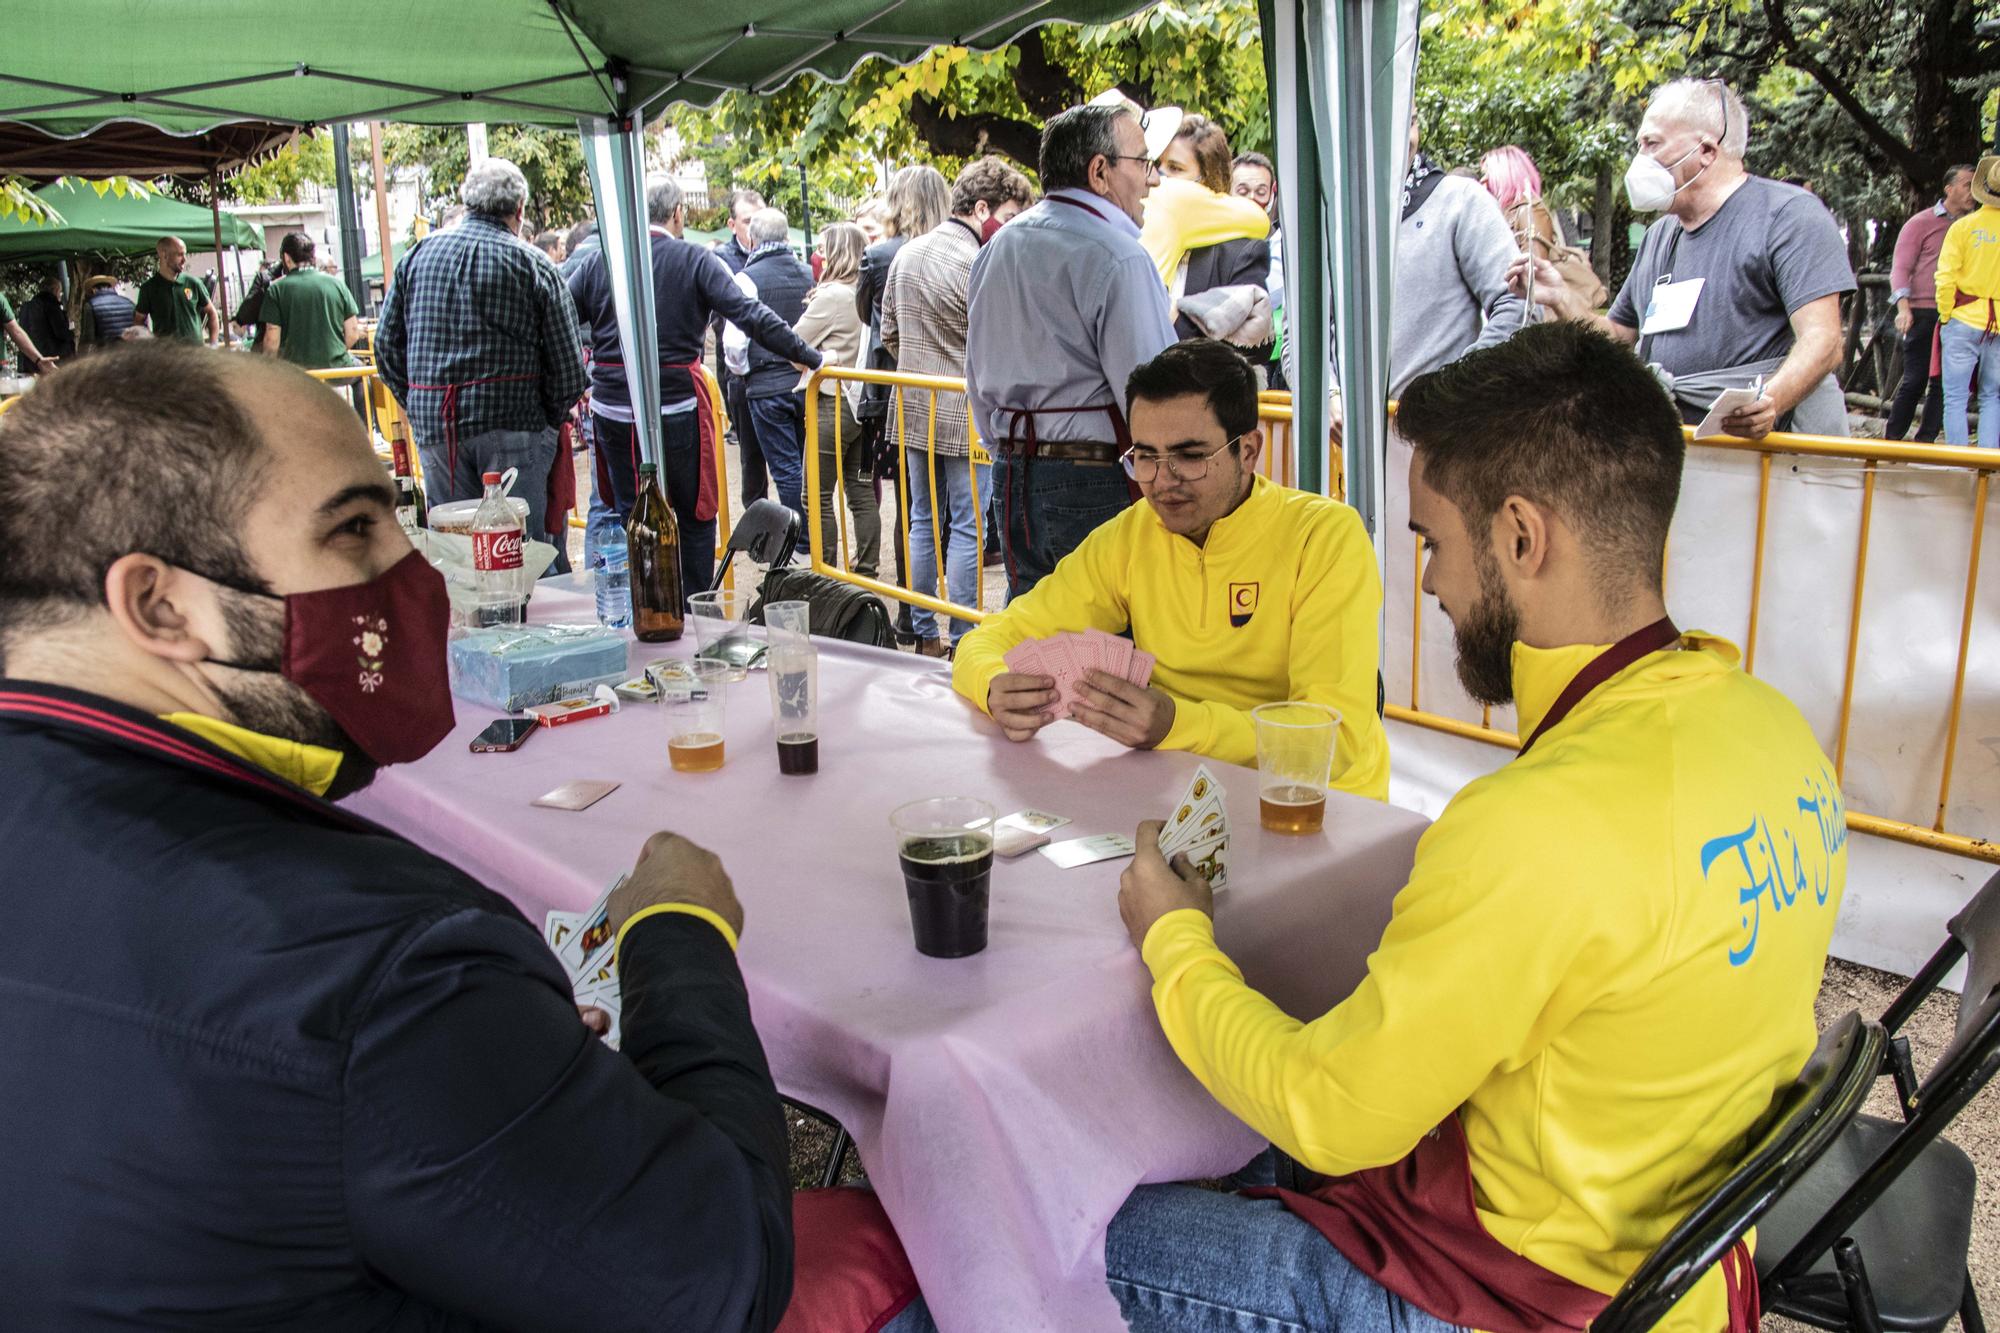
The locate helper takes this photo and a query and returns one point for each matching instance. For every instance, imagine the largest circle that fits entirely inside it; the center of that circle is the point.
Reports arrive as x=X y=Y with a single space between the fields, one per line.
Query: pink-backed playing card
x=1141 y=672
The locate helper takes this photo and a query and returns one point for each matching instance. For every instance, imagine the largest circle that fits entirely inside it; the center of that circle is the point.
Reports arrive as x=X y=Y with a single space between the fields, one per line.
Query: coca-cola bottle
x=654 y=541
x=497 y=532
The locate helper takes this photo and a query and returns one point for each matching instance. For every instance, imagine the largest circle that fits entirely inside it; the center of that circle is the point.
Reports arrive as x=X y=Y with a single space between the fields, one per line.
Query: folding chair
x=1806 y=1121
x=768 y=532
x=1875 y=1237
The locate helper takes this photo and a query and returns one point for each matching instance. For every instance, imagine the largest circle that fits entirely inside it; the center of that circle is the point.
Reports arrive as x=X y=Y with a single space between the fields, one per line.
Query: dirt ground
x=1846 y=986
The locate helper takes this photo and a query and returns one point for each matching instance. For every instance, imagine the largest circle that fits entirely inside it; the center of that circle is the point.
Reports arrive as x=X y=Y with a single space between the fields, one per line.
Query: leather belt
x=1067 y=451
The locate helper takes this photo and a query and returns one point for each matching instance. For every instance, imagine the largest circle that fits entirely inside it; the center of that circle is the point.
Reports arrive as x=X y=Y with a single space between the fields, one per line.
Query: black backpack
x=839 y=610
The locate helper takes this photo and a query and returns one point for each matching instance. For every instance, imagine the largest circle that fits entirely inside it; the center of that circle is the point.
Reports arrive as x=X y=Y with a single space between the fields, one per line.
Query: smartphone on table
x=505 y=736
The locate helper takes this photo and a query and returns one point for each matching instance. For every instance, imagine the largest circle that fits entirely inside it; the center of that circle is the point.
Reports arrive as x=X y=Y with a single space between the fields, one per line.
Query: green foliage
x=552 y=160
x=954 y=103
x=308 y=159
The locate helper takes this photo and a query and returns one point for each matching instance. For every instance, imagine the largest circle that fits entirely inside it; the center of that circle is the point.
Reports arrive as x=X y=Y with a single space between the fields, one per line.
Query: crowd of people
x=341 y=1082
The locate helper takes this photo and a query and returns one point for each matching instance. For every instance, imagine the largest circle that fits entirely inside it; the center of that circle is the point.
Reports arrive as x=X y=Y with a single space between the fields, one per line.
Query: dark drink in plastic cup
x=949 y=881
x=946 y=847
x=798 y=754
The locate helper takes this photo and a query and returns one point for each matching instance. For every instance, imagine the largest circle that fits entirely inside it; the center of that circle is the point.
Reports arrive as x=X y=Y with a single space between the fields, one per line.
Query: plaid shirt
x=474 y=304
x=923 y=327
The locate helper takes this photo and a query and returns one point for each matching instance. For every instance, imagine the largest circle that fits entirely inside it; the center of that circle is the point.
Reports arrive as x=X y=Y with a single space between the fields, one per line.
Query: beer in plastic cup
x=945 y=845
x=1295 y=745
x=722 y=630
x=693 y=713
x=793 y=668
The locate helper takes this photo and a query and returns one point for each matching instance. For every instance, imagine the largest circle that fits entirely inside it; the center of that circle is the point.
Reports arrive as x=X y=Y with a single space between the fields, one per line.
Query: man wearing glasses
x=1062 y=304
x=1737 y=286
x=1244 y=591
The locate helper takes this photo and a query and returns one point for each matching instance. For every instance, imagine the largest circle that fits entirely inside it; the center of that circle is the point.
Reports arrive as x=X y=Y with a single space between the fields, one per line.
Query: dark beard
x=1485 y=638
x=260 y=699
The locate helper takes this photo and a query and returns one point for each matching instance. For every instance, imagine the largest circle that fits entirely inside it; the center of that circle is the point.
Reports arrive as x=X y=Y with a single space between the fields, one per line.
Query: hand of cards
x=1199 y=827
x=582 y=942
x=1067 y=656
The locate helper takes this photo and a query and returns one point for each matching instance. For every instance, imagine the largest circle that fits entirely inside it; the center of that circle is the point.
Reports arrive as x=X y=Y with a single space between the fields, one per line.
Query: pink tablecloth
x=1004 y=1105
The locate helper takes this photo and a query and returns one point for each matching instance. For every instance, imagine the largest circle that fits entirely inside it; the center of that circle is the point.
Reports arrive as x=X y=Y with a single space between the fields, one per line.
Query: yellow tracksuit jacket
x=1282 y=602
x=1604 y=961
x=1969 y=264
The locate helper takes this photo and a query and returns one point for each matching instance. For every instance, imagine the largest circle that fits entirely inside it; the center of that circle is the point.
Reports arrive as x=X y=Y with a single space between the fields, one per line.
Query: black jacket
x=46 y=323
x=782 y=283
x=267 y=1065
x=690 y=284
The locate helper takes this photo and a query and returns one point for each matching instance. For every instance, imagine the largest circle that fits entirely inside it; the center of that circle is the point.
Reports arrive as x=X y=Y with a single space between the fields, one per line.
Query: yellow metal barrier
x=1873 y=453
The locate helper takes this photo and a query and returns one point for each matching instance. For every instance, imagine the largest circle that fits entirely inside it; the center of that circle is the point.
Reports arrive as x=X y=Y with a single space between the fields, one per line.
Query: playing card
x=1025 y=658
x=1140 y=671
x=1210 y=858
x=559 y=926
x=592 y=935
x=1117 y=652
x=605 y=996
x=1011 y=840
x=1192 y=820
x=578 y=795
x=1038 y=821
x=1083 y=851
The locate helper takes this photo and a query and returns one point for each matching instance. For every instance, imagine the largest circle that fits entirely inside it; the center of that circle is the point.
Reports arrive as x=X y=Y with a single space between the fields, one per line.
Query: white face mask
x=1649 y=183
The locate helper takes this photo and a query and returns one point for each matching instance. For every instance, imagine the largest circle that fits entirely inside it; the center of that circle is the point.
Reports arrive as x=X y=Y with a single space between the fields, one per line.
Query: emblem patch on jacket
x=1242 y=603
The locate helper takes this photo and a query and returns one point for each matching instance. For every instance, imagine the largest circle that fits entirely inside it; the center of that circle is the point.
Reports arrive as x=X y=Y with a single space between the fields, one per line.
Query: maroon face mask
x=373 y=656
x=988 y=227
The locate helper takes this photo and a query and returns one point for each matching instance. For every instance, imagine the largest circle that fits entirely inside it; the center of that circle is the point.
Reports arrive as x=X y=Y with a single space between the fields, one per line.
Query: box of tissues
x=511 y=666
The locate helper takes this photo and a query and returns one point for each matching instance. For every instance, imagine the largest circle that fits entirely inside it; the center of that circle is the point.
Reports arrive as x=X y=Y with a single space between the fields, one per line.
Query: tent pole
x=345 y=204
x=615 y=152
x=381 y=204
x=221 y=277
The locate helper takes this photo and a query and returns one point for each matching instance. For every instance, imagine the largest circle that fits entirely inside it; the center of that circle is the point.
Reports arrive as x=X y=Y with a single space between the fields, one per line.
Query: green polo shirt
x=173 y=306
x=6 y=311
x=310 y=309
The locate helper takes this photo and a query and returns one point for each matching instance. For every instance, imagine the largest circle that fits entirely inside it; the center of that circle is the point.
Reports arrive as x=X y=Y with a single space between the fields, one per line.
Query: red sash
x=562 y=484
x=1414 y=1228
x=448 y=410
x=1660 y=634
x=708 y=492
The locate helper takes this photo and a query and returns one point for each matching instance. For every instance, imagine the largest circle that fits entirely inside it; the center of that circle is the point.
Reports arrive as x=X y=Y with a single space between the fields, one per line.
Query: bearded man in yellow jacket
x=1602 y=969
x=1245 y=591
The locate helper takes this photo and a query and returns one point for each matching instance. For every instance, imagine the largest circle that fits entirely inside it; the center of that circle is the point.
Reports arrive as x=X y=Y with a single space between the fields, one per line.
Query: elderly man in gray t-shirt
x=1738 y=286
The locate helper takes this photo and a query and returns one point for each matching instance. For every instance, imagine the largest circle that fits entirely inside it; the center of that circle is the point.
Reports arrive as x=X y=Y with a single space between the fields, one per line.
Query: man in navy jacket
x=268 y=1065
x=690 y=286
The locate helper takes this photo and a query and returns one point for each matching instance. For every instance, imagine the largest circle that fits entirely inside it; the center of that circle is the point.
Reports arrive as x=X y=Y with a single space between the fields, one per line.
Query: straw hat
x=1986 y=181
x=1160 y=124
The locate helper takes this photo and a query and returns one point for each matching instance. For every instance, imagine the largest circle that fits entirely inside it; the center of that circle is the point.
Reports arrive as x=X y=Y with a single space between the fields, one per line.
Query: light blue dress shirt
x=1064 y=305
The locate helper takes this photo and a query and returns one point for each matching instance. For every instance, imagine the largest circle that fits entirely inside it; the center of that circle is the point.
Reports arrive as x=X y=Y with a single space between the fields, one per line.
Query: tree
x=956 y=104
x=552 y=160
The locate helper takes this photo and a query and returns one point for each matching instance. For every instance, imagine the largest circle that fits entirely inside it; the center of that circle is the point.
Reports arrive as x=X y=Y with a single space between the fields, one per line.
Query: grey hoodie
x=1451 y=277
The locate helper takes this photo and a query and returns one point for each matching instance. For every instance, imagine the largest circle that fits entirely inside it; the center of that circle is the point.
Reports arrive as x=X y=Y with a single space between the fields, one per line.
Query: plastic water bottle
x=613 y=560
x=497 y=534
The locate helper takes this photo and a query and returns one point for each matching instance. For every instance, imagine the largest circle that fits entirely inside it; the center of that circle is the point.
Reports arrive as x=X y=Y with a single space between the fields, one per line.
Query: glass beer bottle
x=654 y=541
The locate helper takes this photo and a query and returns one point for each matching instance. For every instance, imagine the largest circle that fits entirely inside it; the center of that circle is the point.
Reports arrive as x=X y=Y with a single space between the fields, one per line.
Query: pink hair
x=1510 y=176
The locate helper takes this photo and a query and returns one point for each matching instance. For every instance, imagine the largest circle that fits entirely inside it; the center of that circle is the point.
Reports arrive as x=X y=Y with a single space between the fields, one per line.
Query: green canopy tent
x=1341 y=80
x=114 y=224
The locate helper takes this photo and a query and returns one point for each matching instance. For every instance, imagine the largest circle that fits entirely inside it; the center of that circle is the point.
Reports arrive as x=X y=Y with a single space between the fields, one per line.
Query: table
x=1004 y=1105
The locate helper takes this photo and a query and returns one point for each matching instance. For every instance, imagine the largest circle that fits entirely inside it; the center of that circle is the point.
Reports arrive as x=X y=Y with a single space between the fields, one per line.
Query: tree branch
x=971 y=136
x=1045 y=88
x=1911 y=163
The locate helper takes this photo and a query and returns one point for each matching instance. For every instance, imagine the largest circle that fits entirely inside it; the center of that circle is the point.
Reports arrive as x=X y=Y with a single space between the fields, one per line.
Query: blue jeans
x=533 y=452
x=1187 y=1260
x=961 y=557
x=1964 y=349
x=1048 y=508
x=602 y=519
x=778 y=427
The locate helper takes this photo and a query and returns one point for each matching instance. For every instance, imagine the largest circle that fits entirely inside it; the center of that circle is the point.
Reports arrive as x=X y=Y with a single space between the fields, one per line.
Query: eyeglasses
x=1181 y=467
x=1146 y=162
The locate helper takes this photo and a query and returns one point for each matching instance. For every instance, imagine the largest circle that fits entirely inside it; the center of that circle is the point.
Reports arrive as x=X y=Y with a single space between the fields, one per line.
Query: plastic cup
x=945 y=845
x=722 y=630
x=1295 y=744
x=693 y=714
x=788 y=621
x=793 y=671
